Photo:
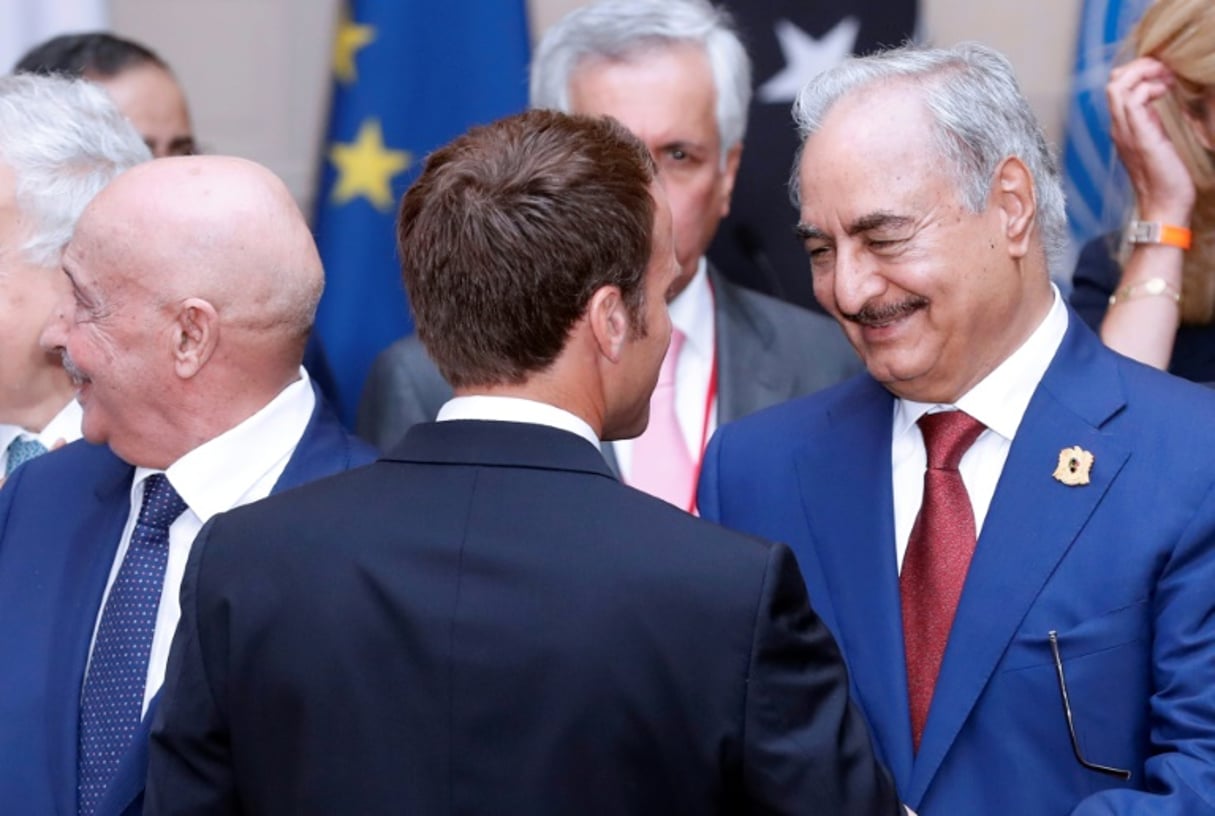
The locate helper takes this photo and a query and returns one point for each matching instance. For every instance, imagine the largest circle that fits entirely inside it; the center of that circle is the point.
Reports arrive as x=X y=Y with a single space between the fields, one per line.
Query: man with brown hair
x=501 y=626
x=675 y=73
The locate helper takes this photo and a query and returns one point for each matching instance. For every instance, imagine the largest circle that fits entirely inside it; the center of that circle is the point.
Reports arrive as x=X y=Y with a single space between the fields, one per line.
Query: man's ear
x=195 y=336
x=609 y=321
x=1014 y=194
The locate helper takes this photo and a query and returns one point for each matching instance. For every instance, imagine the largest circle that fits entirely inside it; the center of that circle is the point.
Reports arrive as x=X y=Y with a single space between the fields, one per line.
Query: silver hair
x=981 y=119
x=624 y=29
x=63 y=140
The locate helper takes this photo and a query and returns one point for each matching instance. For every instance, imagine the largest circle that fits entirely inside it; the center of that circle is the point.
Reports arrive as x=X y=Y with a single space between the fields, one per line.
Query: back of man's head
x=137 y=79
x=92 y=55
x=511 y=229
x=622 y=29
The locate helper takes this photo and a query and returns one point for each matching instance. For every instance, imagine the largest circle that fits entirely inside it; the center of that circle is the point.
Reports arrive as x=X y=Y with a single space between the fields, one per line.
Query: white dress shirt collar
x=999 y=400
x=239 y=466
x=64 y=426
x=218 y=474
x=692 y=313
x=515 y=409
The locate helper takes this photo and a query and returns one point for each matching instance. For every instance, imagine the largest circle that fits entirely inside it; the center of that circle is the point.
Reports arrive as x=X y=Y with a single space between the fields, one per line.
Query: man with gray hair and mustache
x=1009 y=528
x=60 y=142
x=189 y=291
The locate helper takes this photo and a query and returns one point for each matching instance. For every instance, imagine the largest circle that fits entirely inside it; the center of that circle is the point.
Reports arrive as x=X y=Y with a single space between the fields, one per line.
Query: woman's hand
x=1163 y=187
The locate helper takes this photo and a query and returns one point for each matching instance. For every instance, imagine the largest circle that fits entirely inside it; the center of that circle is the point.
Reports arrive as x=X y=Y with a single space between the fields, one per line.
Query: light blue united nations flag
x=1098 y=193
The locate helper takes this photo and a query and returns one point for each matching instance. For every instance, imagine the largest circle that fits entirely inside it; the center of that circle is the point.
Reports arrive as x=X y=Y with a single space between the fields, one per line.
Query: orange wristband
x=1156 y=232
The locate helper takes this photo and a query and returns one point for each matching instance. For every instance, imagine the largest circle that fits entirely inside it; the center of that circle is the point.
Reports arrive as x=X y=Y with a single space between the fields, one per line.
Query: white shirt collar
x=692 y=313
x=65 y=426
x=999 y=400
x=215 y=476
x=515 y=409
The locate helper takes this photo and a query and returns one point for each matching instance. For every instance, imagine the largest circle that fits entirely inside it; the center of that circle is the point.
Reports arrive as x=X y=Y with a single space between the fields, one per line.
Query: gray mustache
x=75 y=373
x=876 y=315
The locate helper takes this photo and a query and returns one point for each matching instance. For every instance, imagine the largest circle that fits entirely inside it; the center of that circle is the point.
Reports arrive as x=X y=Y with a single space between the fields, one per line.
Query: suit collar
x=97 y=528
x=503 y=444
x=1032 y=523
x=844 y=477
x=749 y=376
x=324 y=448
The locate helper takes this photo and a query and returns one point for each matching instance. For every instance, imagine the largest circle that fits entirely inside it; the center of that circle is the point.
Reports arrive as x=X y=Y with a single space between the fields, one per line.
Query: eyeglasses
x=1067 y=712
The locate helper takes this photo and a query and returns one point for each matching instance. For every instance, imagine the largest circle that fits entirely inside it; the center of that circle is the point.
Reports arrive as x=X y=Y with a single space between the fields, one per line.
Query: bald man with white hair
x=191 y=288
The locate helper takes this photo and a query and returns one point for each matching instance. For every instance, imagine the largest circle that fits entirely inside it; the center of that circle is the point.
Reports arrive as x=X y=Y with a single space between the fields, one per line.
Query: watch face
x=1143 y=232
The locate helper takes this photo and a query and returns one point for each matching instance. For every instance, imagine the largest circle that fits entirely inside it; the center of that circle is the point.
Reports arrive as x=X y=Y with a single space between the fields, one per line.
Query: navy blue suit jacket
x=502 y=628
x=1122 y=569
x=61 y=517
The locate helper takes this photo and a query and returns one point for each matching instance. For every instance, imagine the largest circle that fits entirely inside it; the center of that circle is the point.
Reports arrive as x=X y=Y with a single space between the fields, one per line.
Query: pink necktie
x=938 y=557
x=661 y=463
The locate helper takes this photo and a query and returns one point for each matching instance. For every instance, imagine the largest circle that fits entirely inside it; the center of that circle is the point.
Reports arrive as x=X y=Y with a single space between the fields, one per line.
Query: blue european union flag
x=410 y=75
x=1098 y=193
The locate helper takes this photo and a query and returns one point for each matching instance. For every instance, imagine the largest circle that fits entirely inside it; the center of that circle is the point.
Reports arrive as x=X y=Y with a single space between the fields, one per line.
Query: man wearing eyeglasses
x=1009 y=528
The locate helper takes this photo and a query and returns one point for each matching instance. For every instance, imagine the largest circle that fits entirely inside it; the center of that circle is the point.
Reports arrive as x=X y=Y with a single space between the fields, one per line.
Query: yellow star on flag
x=365 y=167
x=351 y=36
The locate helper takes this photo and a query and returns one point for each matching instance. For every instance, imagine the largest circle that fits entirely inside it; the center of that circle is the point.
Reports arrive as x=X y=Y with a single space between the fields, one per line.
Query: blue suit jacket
x=61 y=517
x=1123 y=569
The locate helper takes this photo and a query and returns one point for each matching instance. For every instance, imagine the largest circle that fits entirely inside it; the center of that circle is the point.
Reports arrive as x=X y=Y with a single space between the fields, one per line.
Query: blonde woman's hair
x=1181 y=34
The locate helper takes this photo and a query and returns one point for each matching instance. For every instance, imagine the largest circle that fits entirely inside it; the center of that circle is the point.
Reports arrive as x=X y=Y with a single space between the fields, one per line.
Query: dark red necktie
x=938 y=555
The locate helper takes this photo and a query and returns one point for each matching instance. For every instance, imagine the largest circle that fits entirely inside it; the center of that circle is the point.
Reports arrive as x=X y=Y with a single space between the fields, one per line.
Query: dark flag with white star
x=410 y=76
x=789 y=42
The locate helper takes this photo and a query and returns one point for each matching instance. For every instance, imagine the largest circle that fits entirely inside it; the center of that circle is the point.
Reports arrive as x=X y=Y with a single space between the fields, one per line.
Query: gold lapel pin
x=1074 y=466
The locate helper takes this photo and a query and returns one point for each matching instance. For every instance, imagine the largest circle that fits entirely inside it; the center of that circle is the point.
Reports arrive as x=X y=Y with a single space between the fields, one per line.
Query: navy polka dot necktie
x=112 y=703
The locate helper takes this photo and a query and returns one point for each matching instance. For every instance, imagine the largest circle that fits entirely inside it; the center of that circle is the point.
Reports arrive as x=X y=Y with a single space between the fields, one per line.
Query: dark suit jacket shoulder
x=502 y=627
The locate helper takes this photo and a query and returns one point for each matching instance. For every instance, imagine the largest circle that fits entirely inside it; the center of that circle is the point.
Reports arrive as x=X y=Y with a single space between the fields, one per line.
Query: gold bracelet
x=1146 y=288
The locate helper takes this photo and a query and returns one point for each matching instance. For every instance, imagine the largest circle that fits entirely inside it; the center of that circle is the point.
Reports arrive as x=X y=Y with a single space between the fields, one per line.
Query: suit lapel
x=94 y=540
x=846 y=488
x=324 y=448
x=748 y=378
x=1031 y=524
x=131 y=774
